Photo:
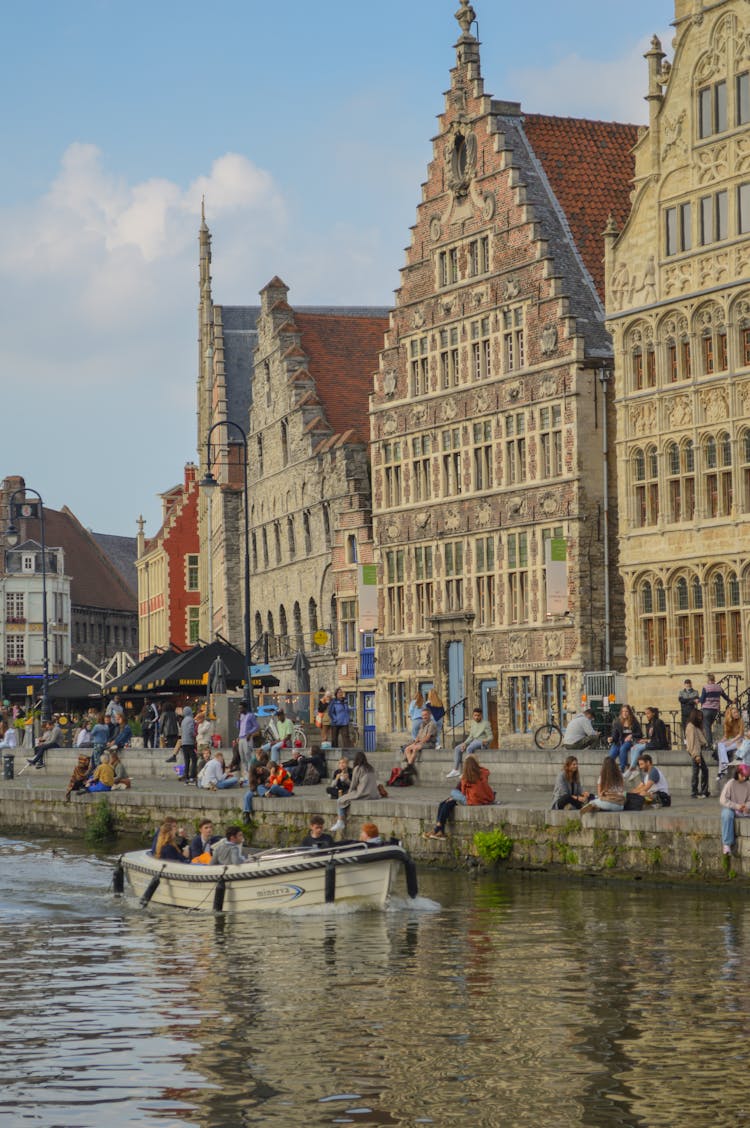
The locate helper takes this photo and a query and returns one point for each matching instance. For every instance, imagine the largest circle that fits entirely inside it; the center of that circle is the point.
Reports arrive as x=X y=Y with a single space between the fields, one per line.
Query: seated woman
x=626 y=731
x=167 y=846
x=103 y=777
x=473 y=791
x=733 y=734
x=364 y=785
x=610 y=789
x=122 y=779
x=215 y=777
x=341 y=779
x=568 y=791
x=279 y=782
x=657 y=740
x=78 y=779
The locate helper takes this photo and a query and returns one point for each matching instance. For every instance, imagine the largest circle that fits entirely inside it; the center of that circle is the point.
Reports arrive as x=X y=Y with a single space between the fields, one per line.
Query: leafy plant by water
x=492 y=845
x=101 y=825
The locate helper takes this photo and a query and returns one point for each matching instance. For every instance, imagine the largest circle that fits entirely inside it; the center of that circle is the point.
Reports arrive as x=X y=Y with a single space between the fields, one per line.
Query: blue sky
x=306 y=125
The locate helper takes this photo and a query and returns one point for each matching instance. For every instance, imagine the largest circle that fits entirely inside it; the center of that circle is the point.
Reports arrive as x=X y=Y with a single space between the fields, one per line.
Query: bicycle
x=548 y=736
x=271 y=736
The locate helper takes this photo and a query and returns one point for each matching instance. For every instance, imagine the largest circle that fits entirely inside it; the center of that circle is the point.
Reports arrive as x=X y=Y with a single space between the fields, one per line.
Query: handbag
x=318 y=720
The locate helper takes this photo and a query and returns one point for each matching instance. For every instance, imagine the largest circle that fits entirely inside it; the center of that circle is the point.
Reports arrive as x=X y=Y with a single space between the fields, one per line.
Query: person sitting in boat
x=342 y=778
x=103 y=777
x=80 y=775
x=370 y=834
x=228 y=850
x=364 y=785
x=215 y=777
x=316 y=836
x=473 y=791
x=203 y=840
x=167 y=846
x=122 y=779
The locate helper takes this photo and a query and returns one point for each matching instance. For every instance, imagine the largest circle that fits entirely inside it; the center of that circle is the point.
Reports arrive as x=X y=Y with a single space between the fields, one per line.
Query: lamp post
x=209 y=482
x=12 y=537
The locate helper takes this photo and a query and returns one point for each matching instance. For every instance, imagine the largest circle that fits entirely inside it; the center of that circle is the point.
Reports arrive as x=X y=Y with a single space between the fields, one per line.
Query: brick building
x=489 y=418
x=679 y=312
x=168 y=571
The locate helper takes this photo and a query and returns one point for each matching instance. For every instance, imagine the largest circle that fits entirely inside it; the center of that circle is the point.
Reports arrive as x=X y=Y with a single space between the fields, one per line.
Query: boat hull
x=271 y=880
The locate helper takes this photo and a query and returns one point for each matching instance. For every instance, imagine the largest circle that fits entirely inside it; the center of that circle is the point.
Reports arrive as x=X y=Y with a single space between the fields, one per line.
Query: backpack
x=312 y=775
x=402 y=777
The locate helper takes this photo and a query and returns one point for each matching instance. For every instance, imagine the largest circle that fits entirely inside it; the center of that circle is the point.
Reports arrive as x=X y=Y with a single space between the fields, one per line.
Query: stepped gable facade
x=168 y=572
x=310 y=509
x=678 y=304
x=488 y=415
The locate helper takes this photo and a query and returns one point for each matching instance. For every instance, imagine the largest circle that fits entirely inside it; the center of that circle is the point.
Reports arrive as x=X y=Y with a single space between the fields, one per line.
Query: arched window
x=254 y=550
x=258 y=626
x=717 y=463
x=267 y=380
x=283 y=630
x=335 y=622
x=312 y=613
x=744 y=457
x=689 y=621
x=351 y=549
x=726 y=618
x=277 y=541
x=646 y=476
x=299 y=638
x=284 y=442
x=306 y=529
x=680 y=464
x=290 y=537
x=260 y=455
x=272 y=648
x=264 y=543
x=653 y=623
x=326 y=524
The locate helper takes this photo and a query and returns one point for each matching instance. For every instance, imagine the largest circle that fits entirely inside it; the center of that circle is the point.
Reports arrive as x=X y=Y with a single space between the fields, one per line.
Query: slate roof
x=122 y=552
x=590 y=167
x=95 y=581
x=343 y=358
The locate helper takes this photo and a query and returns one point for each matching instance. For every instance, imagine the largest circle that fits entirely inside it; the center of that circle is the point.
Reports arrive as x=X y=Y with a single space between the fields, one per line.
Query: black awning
x=189 y=671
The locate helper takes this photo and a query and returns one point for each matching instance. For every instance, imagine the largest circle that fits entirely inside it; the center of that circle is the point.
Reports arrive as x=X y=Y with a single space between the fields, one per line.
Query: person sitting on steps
x=426 y=738
x=473 y=791
x=480 y=737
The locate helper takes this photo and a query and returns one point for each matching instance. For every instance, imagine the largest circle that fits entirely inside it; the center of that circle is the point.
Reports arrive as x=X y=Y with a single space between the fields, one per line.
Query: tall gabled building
x=488 y=418
x=678 y=283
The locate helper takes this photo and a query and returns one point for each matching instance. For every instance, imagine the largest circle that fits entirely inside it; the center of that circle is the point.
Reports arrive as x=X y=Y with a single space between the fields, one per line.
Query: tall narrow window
x=454 y=575
x=277 y=541
x=284 y=443
x=483 y=449
x=291 y=538
x=420 y=367
x=515 y=448
x=481 y=359
x=306 y=530
x=423 y=587
x=513 y=339
x=550 y=441
x=394 y=591
x=452 y=478
x=517 y=578
x=421 y=448
x=484 y=568
x=259 y=443
x=327 y=537
x=449 y=366
x=191 y=570
x=193 y=625
x=742 y=96
x=392 y=473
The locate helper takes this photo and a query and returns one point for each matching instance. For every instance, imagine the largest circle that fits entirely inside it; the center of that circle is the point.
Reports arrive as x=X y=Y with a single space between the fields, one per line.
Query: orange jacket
x=281 y=776
x=479 y=794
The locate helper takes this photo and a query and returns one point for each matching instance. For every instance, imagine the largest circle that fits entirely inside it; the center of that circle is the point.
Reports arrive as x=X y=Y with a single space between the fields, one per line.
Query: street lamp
x=12 y=537
x=209 y=482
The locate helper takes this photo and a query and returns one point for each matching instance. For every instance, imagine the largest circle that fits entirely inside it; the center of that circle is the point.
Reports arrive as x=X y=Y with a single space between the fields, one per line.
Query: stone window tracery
x=652 y=604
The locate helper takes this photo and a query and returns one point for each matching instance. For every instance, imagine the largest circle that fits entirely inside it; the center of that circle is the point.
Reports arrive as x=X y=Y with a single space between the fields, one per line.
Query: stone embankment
x=680 y=843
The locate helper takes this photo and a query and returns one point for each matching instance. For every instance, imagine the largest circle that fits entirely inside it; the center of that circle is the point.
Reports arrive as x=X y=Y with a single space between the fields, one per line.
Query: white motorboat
x=354 y=873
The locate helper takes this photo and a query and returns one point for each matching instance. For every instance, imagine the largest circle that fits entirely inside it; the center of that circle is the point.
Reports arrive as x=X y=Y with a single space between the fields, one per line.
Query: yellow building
x=678 y=306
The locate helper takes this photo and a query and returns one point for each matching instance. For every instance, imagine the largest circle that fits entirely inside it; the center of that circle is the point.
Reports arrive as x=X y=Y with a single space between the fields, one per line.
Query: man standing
x=711 y=696
x=113 y=713
x=149 y=719
x=688 y=699
x=480 y=736
x=248 y=727
x=339 y=716
x=580 y=732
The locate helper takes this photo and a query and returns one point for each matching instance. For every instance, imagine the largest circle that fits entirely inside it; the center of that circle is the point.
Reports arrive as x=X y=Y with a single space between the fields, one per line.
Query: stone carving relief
x=643 y=283
x=488 y=207
x=484 y=650
x=424 y=655
x=511 y=289
x=549 y=340
x=390 y=379
x=672 y=133
x=714 y=404
x=436 y=228
x=392 y=532
x=554 y=644
x=452 y=520
x=742 y=260
x=449 y=410
x=713 y=268
x=549 y=504
x=423 y=519
x=514 y=390
x=643 y=418
x=516 y=505
x=390 y=424
x=712 y=164
x=619 y=285
x=745 y=397
x=518 y=646
x=484 y=514
x=419 y=415
x=549 y=386
x=417 y=320
x=460 y=155
x=678 y=279
x=676 y=325
x=679 y=412
x=479 y=297
x=396 y=656
x=742 y=154
x=446 y=308
x=482 y=402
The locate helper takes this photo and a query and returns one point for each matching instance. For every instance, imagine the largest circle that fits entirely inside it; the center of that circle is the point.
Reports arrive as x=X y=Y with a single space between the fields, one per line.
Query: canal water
x=494 y=1001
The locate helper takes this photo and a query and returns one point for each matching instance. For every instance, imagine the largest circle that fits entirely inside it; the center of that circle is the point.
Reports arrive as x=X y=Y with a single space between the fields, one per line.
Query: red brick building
x=168 y=574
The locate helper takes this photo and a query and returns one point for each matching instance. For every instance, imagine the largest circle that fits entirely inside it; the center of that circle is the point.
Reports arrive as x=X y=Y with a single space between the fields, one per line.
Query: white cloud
x=604 y=89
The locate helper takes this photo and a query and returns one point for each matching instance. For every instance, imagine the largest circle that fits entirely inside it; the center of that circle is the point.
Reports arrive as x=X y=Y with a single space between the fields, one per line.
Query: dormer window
x=28 y=562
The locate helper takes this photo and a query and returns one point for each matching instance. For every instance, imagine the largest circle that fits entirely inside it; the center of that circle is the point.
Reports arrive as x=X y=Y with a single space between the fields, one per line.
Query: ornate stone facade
x=679 y=312
x=487 y=417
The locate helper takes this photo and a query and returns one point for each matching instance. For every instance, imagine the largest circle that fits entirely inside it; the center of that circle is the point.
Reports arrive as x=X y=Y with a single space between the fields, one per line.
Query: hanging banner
x=556 y=567
x=367 y=593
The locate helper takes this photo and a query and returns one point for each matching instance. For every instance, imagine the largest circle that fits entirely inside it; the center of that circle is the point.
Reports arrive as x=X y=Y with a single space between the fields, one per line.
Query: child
x=341 y=779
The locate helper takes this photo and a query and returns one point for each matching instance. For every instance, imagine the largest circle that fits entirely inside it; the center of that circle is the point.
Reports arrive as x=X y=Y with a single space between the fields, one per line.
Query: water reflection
x=521 y=1002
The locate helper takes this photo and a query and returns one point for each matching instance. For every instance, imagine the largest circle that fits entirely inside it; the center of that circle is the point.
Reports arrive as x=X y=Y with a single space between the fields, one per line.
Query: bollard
x=8 y=765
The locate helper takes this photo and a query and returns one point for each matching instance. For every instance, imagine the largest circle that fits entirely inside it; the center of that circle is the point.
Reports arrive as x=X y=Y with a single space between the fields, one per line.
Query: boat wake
x=413 y=904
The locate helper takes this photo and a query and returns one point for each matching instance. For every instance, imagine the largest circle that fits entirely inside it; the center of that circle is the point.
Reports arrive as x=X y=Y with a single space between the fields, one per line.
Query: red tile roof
x=590 y=167
x=343 y=354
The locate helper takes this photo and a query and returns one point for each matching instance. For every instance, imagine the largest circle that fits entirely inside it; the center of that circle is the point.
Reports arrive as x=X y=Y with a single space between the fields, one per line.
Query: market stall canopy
x=72 y=687
x=190 y=670
x=135 y=680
